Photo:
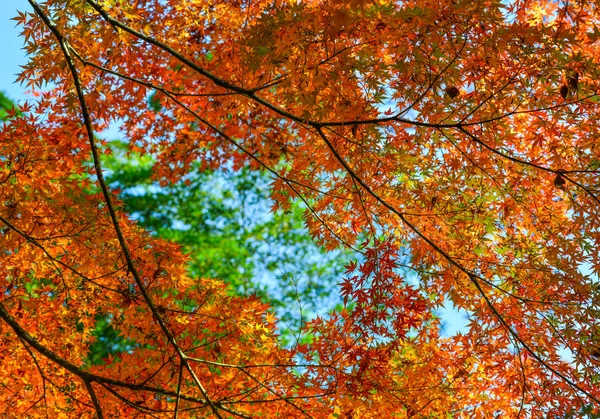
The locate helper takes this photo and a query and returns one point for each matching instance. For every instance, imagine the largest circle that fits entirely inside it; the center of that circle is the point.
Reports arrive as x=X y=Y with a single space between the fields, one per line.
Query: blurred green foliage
x=223 y=220
x=5 y=105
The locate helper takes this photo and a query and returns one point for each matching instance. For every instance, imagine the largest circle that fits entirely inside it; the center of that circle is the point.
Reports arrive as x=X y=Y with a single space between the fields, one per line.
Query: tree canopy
x=452 y=146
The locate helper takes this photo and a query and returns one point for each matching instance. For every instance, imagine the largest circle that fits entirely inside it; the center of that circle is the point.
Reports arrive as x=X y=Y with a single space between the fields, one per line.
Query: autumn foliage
x=453 y=145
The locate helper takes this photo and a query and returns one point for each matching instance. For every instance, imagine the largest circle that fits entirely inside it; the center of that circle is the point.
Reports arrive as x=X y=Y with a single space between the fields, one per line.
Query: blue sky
x=11 y=48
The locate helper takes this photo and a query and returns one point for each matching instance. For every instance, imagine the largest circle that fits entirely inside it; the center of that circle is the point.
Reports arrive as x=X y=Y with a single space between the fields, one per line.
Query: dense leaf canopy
x=460 y=136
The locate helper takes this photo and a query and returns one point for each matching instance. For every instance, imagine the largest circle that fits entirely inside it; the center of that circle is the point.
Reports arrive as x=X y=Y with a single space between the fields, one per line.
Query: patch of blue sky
x=11 y=49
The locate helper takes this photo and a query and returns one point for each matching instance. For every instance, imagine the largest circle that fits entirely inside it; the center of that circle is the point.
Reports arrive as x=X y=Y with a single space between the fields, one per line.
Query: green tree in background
x=6 y=105
x=224 y=221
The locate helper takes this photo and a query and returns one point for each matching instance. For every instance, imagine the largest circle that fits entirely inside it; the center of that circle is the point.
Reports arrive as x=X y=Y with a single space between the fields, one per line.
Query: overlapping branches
x=363 y=182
